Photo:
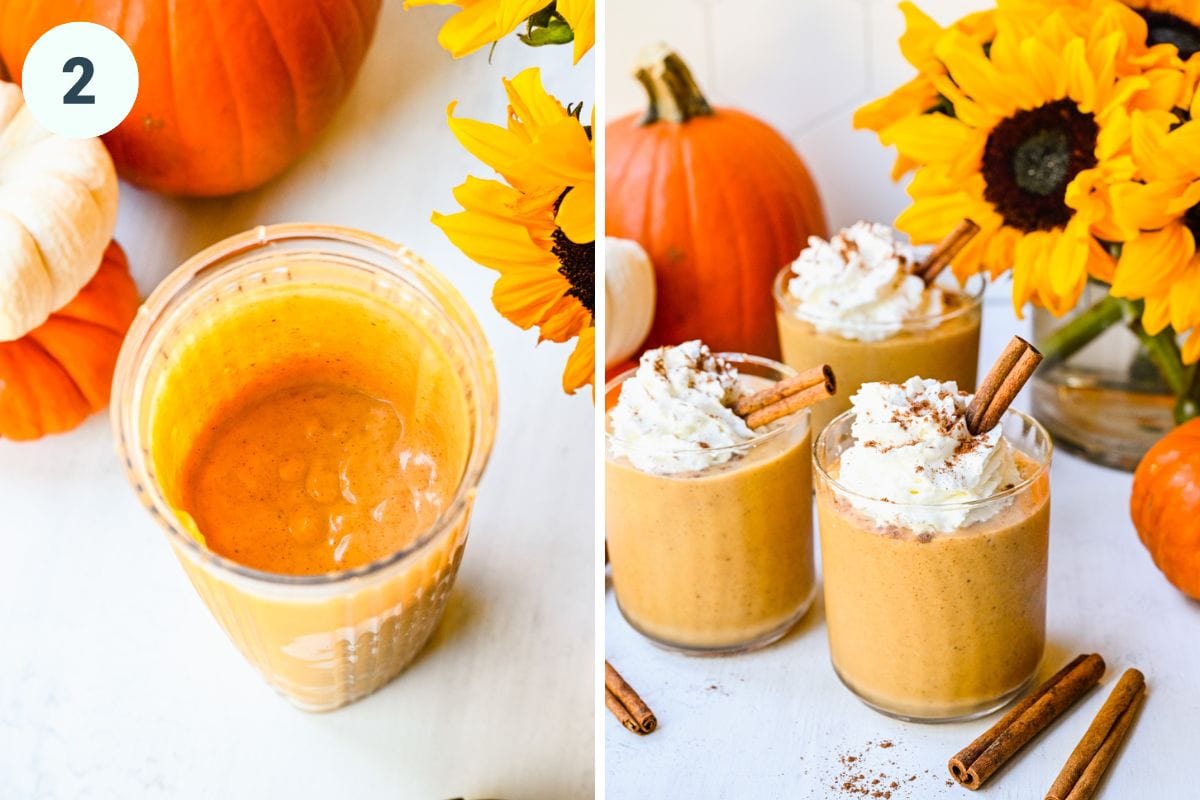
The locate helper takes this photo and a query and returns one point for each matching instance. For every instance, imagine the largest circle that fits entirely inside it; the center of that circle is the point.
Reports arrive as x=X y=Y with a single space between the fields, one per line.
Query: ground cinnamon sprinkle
x=868 y=773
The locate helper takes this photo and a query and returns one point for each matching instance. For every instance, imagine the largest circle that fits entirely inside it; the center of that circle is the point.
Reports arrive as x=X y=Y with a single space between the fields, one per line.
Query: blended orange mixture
x=300 y=427
x=949 y=352
x=313 y=478
x=937 y=626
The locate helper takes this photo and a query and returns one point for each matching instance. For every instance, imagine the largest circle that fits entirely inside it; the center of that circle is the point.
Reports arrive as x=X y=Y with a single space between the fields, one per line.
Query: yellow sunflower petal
x=920 y=35
x=929 y=137
x=511 y=13
x=1068 y=268
x=581 y=16
x=1152 y=260
x=1191 y=348
x=1029 y=256
x=493 y=242
x=560 y=155
x=978 y=77
x=1184 y=293
x=529 y=296
x=1153 y=151
x=577 y=214
x=581 y=366
x=477 y=24
x=564 y=320
x=911 y=98
x=497 y=147
x=1144 y=206
x=530 y=103
x=930 y=218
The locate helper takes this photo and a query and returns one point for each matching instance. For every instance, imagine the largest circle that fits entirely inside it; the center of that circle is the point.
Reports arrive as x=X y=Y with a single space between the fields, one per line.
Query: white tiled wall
x=801 y=65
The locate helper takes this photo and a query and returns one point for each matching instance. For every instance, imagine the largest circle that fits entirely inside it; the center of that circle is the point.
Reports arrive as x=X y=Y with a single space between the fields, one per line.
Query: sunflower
x=537 y=227
x=1171 y=22
x=920 y=95
x=1035 y=131
x=479 y=23
x=1160 y=213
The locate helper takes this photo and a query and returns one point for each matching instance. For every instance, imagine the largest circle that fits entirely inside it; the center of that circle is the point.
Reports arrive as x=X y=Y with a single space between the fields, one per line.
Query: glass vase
x=1106 y=401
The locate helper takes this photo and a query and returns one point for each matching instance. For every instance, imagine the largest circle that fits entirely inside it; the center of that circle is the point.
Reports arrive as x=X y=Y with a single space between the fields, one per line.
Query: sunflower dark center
x=578 y=265
x=1192 y=220
x=1030 y=158
x=1164 y=28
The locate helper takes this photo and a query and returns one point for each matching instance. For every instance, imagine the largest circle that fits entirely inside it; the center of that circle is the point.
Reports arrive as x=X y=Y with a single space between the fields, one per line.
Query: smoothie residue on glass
x=913 y=450
x=859 y=284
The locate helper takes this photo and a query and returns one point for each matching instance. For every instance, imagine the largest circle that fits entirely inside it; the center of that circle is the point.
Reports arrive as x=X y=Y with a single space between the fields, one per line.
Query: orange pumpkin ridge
x=230 y=93
x=718 y=199
x=61 y=372
x=1165 y=506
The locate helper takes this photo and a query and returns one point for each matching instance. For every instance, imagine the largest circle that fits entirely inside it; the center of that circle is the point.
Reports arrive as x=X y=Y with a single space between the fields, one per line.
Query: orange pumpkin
x=230 y=93
x=1165 y=506
x=55 y=376
x=718 y=199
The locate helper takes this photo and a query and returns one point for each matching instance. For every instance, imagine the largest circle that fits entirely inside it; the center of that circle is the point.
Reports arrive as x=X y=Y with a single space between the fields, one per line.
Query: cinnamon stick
x=941 y=255
x=1001 y=385
x=1081 y=774
x=634 y=707
x=822 y=373
x=787 y=396
x=622 y=713
x=978 y=761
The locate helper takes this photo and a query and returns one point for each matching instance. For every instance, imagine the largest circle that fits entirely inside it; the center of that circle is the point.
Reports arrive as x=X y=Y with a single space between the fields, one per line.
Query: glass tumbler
x=718 y=560
x=322 y=640
x=944 y=346
x=934 y=626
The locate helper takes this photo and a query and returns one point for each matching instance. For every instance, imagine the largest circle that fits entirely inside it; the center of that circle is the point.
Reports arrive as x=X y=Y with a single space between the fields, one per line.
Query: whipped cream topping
x=912 y=446
x=859 y=284
x=676 y=413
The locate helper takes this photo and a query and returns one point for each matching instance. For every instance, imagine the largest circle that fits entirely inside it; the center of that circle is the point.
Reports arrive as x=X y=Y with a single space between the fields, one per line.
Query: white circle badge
x=80 y=80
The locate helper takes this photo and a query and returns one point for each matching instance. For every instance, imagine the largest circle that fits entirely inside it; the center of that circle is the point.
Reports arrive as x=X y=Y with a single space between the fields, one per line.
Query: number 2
x=73 y=96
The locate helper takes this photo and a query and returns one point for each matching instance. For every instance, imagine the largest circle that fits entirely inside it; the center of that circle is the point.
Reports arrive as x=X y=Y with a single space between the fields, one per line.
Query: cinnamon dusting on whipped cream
x=676 y=413
x=913 y=450
x=860 y=284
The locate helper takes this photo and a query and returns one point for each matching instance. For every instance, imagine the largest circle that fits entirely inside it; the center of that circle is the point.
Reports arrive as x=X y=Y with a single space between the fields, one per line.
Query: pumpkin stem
x=672 y=92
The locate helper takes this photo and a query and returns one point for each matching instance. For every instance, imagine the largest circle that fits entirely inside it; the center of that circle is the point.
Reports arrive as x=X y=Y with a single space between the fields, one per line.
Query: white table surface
x=774 y=723
x=114 y=680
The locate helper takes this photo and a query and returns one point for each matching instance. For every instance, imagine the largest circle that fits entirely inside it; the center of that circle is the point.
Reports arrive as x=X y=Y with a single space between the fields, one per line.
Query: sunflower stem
x=1080 y=332
x=1163 y=350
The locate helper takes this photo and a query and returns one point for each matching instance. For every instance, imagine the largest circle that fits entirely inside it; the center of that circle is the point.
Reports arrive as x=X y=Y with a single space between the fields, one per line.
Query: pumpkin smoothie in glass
x=709 y=522
x=934 y=551
x=307 y=412
x=852 y=302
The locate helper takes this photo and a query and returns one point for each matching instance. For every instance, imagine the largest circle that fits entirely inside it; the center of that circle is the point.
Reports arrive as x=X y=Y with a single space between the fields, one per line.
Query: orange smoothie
x=311 y=432
x=316 y=477
x=934 y=551
x=713 y=554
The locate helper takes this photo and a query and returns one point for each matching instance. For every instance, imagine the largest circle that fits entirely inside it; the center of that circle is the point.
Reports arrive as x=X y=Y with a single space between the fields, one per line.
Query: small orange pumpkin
x=230 y=93
x=55 y=376
x=1165 y=506
x=720 y=202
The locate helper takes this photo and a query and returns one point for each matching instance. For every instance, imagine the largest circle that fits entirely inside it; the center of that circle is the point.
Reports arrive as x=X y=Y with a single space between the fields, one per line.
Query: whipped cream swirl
x=676 y=413
x=912 y=446
x=859 y=284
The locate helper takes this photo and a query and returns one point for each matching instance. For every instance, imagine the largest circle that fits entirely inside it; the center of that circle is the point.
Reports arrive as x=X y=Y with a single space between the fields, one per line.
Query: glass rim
x=744 y=358
x=784 y=301
x=216 y=260
x=1043 y=465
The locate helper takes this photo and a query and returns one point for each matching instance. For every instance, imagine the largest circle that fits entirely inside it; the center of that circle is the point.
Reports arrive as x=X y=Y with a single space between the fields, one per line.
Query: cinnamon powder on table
x=873 y=775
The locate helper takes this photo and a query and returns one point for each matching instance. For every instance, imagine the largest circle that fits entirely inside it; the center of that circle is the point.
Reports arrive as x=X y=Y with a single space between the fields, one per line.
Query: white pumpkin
x=629 y=296
x=58 y=209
